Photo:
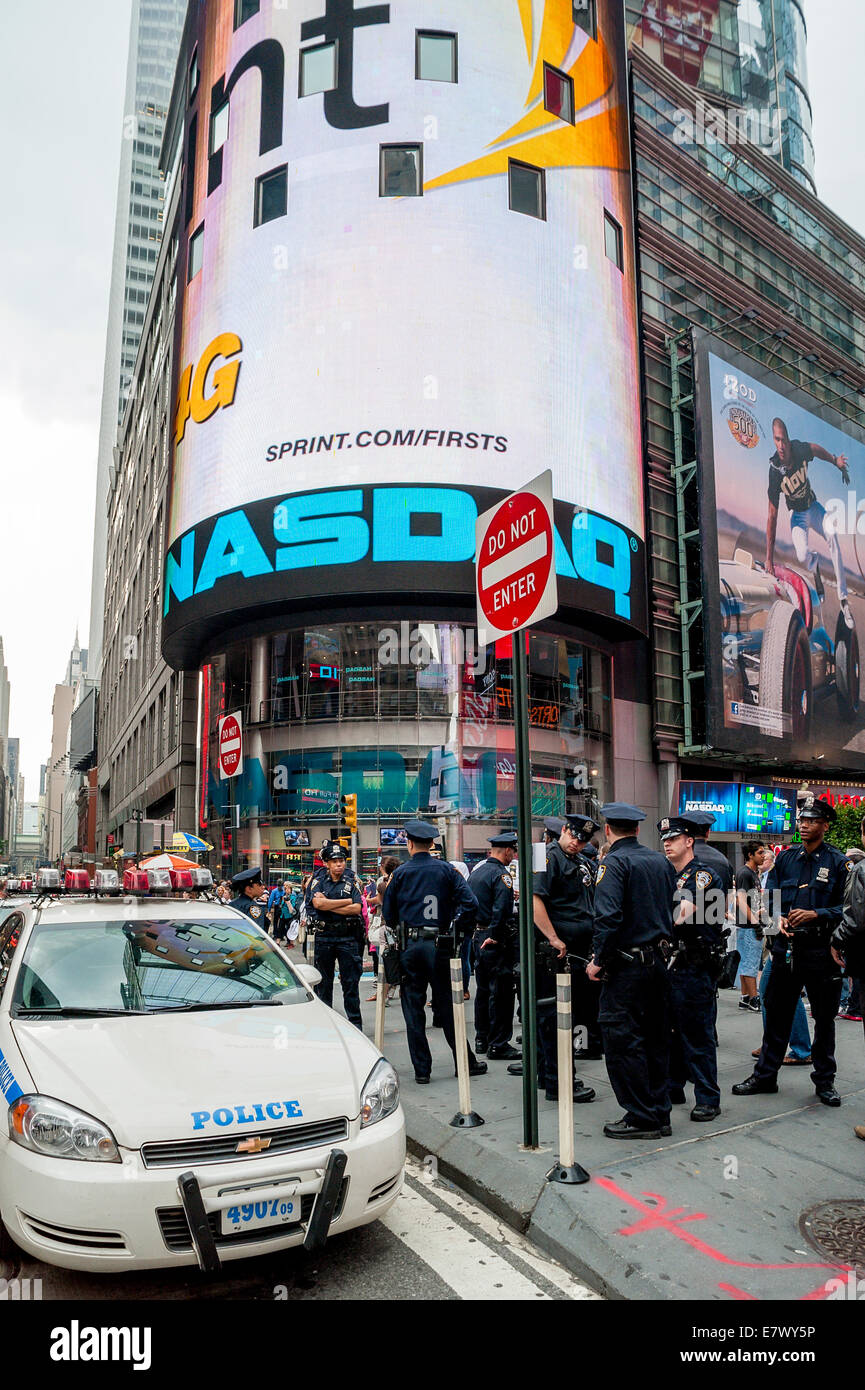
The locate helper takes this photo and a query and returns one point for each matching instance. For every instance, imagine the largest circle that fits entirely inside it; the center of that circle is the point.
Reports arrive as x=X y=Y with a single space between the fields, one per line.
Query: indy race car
x=172 y=1092
x=778 y=657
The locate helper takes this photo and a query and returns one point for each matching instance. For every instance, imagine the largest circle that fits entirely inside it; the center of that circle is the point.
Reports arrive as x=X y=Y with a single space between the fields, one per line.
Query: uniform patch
x=849 y=865
x=506 y=878
x=703 y=879
x=601 y=871
x=255 y=912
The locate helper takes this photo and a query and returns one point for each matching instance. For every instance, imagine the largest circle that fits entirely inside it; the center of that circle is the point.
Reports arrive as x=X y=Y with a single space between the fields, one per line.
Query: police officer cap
x=582 y=826
x=247 y=876
x=621 y=811
x=506 y=840
x=554 y=824
x=675 y=825
x=701 y=820
x=815 y=808
x=333 y=852
x=421 y=830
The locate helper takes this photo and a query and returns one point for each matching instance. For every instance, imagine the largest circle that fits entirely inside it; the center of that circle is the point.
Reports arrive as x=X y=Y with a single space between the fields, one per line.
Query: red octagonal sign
x=515 y=561
x=230 y=741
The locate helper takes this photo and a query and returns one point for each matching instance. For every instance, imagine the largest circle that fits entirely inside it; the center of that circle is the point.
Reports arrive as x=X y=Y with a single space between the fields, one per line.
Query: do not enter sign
x=230 y=745
x=515 y=561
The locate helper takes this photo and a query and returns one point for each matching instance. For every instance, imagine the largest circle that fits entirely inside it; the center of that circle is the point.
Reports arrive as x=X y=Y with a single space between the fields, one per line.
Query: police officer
x=333 y=901
x=494 y=945
x=702 y=822
x=810 y=878
x=633 y=929
x=848 y=939
x=424 y=898
x=563 y=914
x=585 y=828
x=553 y=826
x=698 y=923
x=249 y=890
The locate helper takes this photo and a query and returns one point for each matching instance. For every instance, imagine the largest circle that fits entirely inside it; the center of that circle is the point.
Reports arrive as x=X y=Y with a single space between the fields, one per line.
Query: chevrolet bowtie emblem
x=252 y=1145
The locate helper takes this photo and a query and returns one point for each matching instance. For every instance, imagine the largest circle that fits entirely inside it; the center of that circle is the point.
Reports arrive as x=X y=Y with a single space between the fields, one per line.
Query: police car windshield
x=151 y=966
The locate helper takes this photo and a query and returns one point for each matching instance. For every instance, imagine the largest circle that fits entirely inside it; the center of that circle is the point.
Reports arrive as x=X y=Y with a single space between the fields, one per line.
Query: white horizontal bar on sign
x=230 y=745
x=517 y=560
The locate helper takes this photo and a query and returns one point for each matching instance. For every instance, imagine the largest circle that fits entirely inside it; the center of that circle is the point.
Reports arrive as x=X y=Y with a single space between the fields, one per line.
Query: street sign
x=515 y=571
x=230 y=746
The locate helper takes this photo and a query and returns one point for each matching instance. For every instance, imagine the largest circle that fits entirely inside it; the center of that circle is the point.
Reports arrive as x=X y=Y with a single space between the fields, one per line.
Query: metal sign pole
x=526 y=913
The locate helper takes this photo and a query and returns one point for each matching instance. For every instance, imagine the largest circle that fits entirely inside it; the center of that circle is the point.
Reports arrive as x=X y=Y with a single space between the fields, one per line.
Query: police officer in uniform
x=585 y=828
x=563 y=914
x=810 y=878
x=494 y=947
x=333 y=902
x=702 y=822
x=698 y=923
x=424 y=898
x=633 y=929
x=249 y=887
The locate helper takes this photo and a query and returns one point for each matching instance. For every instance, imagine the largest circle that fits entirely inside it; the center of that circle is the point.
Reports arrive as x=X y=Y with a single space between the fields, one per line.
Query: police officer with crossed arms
x=425 y=899
x=698 y=923
x=633 y=930
x=333 y=905
x=810 y=879
x=494 y=946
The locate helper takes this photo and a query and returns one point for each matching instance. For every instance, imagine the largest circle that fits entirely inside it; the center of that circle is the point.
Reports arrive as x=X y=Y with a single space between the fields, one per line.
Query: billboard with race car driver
x=783 y=559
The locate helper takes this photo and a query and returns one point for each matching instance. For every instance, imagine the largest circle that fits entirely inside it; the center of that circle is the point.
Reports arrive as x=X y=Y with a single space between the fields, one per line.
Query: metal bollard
x=567 y=1170
x=465 y=1118
x=380 y=998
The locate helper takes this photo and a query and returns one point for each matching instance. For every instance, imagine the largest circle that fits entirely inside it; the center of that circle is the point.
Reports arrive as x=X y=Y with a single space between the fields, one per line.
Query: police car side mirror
x=308 y=973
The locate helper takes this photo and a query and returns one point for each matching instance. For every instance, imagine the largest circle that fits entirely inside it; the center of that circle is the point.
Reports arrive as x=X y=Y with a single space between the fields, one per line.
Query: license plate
x=253 y=1216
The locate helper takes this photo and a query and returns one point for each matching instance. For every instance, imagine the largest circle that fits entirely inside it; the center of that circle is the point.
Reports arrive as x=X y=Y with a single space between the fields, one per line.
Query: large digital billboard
x=783 y=549
x=741 y=808
x=406 y=284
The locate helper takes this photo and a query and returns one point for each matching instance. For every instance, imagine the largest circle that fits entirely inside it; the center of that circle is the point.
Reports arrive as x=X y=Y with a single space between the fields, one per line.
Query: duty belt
x=647 y=955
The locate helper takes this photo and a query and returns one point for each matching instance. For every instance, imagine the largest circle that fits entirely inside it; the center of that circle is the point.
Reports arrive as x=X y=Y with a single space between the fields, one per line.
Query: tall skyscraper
x=154 y=42
x=4 y=709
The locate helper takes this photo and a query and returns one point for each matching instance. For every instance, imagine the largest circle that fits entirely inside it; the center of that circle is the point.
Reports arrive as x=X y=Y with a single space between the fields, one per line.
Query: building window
x=271 y=196
x=244 y=10
x=400 y=173
x=318 y=69
x=194 y=78
x=586 y=17
x=435 y=56
x=526 y=189
x=196 y=253
x=613 y=241
x=559 y=93
x=218 y=128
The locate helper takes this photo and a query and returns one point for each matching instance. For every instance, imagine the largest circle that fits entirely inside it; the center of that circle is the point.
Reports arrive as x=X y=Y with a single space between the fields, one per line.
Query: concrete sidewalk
x=711 y=1213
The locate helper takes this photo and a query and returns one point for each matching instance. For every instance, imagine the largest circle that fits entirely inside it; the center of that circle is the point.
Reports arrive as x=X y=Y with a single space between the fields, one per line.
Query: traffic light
x=345 y=842
x=349 y=811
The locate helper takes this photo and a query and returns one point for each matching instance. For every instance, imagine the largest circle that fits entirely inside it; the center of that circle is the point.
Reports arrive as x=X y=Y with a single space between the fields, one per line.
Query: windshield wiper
x=237 y=1004
x=65 y=1011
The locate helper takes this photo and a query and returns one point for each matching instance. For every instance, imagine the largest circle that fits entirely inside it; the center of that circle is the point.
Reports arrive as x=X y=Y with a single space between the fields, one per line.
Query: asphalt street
x=434 y=1245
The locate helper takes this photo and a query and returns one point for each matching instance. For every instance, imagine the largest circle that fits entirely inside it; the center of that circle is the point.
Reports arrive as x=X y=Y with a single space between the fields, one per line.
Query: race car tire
x=846 y=669
x=785 y=673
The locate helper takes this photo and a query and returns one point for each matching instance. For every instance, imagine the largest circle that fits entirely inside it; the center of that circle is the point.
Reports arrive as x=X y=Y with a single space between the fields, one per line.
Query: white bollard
x=380 y=998
x=567 y=1170
x=465 y=1117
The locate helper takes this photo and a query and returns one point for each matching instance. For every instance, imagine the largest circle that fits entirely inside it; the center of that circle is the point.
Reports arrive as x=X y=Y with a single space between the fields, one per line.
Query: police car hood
x=167 y=1077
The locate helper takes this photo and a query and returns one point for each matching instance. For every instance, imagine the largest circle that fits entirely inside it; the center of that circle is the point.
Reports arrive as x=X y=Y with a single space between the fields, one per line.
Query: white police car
x=173 y=1092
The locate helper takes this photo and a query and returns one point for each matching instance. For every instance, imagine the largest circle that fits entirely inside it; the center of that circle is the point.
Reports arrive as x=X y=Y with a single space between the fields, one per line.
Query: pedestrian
x=274 y=906
x=563 y=907
x=698 y=923
x=333 y=904
x=378 y=932
x=430 y=906
x=810 y=879
x=749 y=930
x=848 y=939
x=249 y=888
x=633 y=931
x=223 y=891
x=494 y=948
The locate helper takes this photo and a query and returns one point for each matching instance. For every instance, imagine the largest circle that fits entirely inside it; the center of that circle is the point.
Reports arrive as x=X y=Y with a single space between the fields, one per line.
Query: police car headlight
x=49 y=1127
x=380 y=1095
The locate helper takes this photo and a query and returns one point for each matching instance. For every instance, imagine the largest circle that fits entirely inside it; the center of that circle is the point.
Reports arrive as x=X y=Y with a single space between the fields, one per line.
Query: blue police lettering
x=240 y=1114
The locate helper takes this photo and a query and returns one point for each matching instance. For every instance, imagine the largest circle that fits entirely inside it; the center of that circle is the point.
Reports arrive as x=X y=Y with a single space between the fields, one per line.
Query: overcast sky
x=61 y=122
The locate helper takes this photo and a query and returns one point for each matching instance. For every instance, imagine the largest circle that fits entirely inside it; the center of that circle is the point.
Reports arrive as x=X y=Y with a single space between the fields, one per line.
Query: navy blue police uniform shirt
x=427 y=892
x=566 y=888
x=634 y=891
x=345 y=888
x=714 y=859
x=812 y=881
x=493 y=887
x=250 y=908
x=699 y=884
